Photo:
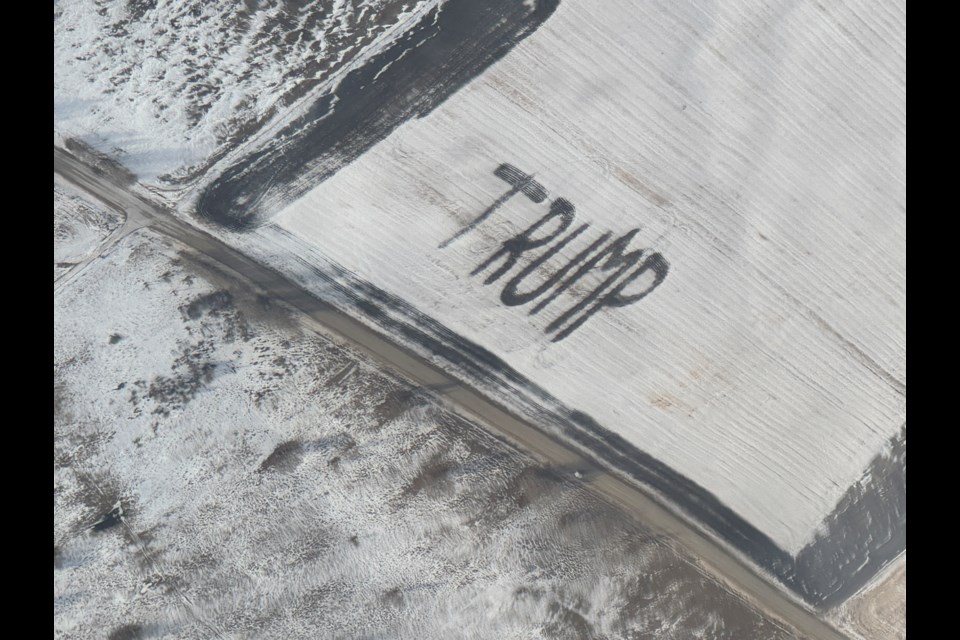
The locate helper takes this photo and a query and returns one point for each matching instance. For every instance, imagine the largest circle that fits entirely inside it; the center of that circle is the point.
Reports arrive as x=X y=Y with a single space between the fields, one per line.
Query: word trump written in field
x=606 y=257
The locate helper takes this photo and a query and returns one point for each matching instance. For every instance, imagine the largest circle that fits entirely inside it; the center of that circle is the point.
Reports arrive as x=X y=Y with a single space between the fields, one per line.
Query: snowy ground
x=758 y=149
x=221 y=471
x=169 y=87
x=80 y=227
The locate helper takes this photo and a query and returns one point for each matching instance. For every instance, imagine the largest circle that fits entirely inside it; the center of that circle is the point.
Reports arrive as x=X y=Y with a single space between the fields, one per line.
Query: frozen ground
x=221 y=471
x=80 y=227
x=169 y=87
x=756 y=149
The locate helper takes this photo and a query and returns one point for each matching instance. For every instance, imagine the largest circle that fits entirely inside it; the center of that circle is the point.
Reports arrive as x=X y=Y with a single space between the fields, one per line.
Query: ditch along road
x=755 y=587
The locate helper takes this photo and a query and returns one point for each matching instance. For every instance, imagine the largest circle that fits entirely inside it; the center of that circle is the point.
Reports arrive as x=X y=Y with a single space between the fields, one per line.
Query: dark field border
x=438 y=55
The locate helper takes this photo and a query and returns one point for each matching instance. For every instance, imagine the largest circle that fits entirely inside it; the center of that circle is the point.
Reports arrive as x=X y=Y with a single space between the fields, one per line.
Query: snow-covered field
x=168 y=87
x=80 y=226
x=222 y=471
x=673 y=229
x=767 y=173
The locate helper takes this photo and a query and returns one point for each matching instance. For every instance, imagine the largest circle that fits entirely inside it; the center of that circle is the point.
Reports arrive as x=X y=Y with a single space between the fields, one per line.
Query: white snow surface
x=167 y=86
x=759 y=147
x=80 y=226
x=274 y=484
